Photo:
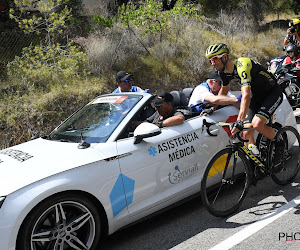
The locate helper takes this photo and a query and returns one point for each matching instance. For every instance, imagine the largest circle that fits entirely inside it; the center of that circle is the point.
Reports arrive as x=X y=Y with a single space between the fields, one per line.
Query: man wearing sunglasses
x=166 y=114
x=124 y=81
x=205 y=96
x=261 y=95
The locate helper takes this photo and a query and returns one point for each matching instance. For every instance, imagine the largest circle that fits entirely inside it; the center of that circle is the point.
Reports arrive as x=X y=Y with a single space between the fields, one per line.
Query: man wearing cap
x=124 y=81
x=205 y=97
x=166 y=114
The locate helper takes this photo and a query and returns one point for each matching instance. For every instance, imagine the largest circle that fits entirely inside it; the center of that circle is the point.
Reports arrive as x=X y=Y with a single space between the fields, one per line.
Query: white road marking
x=247 y=231
x=255 y=227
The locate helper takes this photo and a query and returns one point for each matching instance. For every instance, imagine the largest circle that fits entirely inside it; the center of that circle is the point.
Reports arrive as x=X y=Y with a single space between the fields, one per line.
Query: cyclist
x=261 y=95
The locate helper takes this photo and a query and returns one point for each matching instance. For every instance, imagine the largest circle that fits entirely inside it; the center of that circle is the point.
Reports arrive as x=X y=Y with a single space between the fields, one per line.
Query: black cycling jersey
x=250 y=74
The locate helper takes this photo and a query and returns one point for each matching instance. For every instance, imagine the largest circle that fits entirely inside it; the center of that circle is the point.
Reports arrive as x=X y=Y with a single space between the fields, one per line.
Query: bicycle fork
x=232 y=179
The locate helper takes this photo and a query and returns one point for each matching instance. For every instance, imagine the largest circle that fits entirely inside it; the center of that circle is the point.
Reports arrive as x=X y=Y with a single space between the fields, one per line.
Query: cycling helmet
x=294 y=21
x=291 y=48
x=216 y=49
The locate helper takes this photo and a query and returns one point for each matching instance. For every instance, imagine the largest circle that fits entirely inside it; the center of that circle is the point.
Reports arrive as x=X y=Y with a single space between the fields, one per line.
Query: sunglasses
x=217 y=81
x=215 y=58
x=157 y=105
x=129 y=80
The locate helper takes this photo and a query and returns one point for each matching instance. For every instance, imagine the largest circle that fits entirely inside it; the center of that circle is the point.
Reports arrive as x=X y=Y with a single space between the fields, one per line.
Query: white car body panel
x=154 y=174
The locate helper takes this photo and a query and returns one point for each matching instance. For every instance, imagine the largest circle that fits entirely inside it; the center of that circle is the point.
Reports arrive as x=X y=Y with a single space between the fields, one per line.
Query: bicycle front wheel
x=290 y=156
x=225 y=182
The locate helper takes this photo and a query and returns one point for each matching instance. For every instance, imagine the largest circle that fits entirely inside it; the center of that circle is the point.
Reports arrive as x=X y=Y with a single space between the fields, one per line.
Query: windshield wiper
x=64 y=140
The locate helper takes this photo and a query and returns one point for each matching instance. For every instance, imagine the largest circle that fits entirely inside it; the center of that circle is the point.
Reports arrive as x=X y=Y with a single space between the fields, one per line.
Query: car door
x=164 y=168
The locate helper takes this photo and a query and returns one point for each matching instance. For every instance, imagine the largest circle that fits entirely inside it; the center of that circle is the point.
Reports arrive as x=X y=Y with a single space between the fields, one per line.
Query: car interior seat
x=188 y=92
x=179 y=99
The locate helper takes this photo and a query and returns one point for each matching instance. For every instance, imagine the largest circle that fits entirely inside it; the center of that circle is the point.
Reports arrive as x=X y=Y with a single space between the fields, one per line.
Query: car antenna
x=83 y=144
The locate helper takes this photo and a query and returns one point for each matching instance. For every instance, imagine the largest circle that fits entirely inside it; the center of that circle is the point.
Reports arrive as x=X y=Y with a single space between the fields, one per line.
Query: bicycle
x=231 y=171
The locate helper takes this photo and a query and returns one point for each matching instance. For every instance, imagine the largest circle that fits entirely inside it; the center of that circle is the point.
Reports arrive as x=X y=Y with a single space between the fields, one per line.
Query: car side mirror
x=145 y=130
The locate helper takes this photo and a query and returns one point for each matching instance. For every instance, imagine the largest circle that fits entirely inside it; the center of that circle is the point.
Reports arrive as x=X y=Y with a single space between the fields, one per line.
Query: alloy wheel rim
x=65 y=225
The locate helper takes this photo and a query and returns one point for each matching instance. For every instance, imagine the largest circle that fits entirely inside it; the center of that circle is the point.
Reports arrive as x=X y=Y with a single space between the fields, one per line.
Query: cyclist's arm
x=245 y=102
x=244 y=71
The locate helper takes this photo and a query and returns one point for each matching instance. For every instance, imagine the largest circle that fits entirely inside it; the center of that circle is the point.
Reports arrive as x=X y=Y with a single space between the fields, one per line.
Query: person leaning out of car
x=166 y=114
x=124 y=82
x=205 y=98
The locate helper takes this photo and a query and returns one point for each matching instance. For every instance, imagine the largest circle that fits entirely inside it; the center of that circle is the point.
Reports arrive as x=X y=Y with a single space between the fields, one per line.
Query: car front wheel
x=64 y=221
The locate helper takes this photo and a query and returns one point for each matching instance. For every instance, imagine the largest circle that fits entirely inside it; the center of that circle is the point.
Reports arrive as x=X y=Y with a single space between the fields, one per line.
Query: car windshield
x=96 y=121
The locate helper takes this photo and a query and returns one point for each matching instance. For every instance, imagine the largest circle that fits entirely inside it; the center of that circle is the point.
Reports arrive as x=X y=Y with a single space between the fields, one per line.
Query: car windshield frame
x=96 y=121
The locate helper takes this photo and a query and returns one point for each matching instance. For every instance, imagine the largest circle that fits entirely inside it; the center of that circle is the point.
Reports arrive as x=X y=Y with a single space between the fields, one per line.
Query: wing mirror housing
x=145 y=130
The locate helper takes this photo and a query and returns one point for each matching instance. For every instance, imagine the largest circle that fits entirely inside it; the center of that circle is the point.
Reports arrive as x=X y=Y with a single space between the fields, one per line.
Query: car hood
x=29 y=162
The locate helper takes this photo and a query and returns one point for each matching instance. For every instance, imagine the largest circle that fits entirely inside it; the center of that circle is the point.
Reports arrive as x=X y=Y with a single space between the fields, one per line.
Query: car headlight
x=1 y=200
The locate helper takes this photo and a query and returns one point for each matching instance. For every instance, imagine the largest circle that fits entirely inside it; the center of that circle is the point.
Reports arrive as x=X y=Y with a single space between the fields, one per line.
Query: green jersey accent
x=249 y=73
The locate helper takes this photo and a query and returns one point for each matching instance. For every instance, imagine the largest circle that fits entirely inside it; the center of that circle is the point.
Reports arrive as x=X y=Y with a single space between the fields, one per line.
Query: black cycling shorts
x=264 y=106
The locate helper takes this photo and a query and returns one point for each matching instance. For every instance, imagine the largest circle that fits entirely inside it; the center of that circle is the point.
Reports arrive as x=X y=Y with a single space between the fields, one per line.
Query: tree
x=295 y=6
x=212 y=8
x=151 y=18
x=278 y=6
x=50 y=59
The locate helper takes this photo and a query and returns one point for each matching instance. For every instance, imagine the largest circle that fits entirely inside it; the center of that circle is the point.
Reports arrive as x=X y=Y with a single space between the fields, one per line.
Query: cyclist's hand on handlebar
x=236 y=127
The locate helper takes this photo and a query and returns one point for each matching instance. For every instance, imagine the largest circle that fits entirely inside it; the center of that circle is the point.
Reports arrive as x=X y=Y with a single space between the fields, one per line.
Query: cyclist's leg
x=249 y=134
x=259 y=123
x=267 y=108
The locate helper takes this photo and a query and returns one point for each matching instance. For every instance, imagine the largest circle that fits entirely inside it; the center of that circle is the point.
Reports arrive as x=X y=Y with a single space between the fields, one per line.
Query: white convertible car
x=95 y=174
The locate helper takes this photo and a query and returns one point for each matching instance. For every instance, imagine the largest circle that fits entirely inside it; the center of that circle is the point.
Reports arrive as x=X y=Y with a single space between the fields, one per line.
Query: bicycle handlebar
x=223 y=124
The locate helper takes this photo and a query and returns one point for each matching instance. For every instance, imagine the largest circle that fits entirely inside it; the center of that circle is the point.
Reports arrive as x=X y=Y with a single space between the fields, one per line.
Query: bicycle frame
x=237 y=142
x=253 y=158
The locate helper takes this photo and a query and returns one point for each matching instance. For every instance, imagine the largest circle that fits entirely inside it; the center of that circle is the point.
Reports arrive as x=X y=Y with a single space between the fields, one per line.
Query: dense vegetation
x=76 y=57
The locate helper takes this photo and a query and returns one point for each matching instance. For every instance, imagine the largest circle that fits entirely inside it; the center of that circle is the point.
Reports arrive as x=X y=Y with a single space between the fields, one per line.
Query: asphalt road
x=268 y=219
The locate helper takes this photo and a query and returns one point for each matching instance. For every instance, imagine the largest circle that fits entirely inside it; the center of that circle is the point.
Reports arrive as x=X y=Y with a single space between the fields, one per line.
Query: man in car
x=166 y=114
x=124 y=82
x=205 y=96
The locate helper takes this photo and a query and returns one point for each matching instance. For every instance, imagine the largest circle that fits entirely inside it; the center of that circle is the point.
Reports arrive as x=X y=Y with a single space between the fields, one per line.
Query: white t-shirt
x=133 y=89
x=200 y=93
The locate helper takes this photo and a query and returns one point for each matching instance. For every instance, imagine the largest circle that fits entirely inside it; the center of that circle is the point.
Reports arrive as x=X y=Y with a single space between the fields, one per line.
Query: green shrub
x=45 y=64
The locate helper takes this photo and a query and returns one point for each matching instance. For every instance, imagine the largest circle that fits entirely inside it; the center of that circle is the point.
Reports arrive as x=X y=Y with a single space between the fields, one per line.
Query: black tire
x=291 y=156
x=223 y=195
x=62 y=221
